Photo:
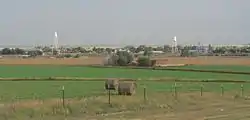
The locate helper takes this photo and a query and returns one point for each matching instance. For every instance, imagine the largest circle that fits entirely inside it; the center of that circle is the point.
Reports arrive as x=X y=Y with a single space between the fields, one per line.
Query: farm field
x=36 y=100
x=21 y=71
x=237 y=68
x=205 y=60
x=85 y=99
x=10 y=90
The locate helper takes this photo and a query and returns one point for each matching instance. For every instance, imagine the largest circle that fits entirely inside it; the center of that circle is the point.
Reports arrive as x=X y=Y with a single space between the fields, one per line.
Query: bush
x=123 y=61
x=34 y=53
x=68 y=55
x=144 y=61
x=77 y=56
x=125 y=57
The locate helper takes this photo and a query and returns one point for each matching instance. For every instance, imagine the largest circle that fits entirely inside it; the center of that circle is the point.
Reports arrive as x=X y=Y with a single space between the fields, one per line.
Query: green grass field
x=236 y=68
x=90 y=72
x=51 y=89
x=90 y=101
x=23 y=90
x=89 y=97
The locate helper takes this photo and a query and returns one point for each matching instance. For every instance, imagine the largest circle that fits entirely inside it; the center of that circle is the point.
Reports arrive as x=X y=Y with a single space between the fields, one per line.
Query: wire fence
x=149 y=95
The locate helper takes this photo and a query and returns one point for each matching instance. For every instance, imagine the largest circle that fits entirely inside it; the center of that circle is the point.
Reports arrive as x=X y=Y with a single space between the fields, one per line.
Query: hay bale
x=126 y=88
x=111 y=84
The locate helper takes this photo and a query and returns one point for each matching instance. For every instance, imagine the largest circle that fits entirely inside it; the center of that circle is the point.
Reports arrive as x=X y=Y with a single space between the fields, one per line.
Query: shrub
x=122 y=61
x=124 y=57
x=144 y=61
x=68 y=55
x=77 y=56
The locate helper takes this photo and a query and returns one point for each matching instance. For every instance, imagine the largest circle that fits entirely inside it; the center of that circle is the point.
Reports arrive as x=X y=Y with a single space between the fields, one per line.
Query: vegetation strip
x=175 y=69
x=197 y=70
x=121 y=79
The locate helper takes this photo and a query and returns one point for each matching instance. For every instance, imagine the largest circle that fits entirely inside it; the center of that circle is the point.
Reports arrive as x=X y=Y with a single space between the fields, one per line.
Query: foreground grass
x=23 y=90
x=161 y=106
x=35 y=100
x=90 y=72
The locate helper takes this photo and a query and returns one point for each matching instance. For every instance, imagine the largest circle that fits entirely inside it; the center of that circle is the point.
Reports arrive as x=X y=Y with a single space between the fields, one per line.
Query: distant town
x=78 y=51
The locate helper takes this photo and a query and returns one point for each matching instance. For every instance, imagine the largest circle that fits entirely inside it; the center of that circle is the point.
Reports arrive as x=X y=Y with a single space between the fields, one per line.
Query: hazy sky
x=124 y=21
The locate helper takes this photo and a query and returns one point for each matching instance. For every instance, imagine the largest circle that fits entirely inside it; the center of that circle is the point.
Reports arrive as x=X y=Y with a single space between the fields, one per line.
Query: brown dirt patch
x=53 y=61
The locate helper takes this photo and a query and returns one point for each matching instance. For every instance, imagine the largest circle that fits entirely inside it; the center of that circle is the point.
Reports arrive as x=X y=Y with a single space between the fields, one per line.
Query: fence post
x=175 y=91
x=109 y=94
x=63 y=102
x=201 y=90
x=145 y=94
x=242 y=90
x=222 y=89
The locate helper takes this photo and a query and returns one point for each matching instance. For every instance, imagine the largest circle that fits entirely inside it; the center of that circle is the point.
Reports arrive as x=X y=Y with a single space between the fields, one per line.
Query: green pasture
x=21 y=90
x=91 y=72
x=237 y=68
x=14 y=91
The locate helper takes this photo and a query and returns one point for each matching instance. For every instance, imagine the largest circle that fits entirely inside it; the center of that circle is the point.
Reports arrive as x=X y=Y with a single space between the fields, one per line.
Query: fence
x=87 y=97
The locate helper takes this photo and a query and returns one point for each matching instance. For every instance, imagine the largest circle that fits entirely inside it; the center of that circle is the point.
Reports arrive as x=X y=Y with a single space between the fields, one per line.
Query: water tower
x=174 y=45
x=55 y=44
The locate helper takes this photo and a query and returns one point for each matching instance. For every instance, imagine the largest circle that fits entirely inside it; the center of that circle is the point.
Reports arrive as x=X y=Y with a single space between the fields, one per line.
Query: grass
x=237 y=68
x=88 y=99
x=23 y=90
x=90 y=72
x=160 y=101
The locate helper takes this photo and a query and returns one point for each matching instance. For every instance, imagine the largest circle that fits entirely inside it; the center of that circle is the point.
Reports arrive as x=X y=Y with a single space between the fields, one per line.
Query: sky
x=124 y=22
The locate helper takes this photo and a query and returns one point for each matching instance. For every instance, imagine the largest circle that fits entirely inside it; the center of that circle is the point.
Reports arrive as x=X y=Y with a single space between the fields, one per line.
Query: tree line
x=18 y=51
x=183 y=50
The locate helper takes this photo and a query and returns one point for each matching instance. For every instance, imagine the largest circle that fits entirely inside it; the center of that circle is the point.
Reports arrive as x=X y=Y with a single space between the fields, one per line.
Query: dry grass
x=160 y=106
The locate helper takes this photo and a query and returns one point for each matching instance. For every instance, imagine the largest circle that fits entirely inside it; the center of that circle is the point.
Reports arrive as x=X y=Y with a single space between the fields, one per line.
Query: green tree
x=144 y=61
x=130 y=48
x=34 y=53
x=121 y=58
x=124 y=58
x=68 y=55
x=122 y=61
x=140 y=48
x=77 y=56
x=167 y=48
x=185 y=51
x=19 y=51
x=6 y=51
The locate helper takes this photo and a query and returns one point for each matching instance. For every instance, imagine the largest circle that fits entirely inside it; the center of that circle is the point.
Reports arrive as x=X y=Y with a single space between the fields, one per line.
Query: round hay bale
x=127 y=88
x=111 y=84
